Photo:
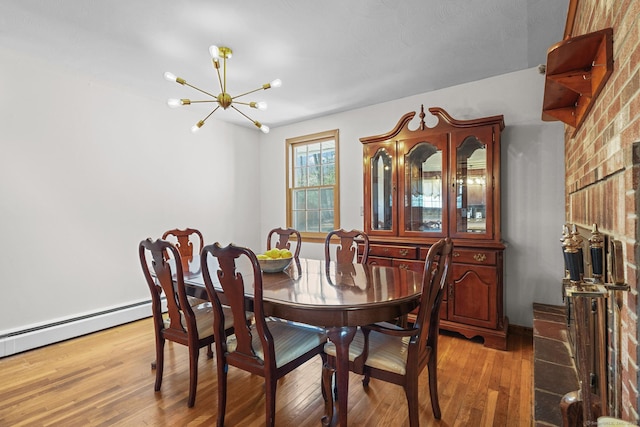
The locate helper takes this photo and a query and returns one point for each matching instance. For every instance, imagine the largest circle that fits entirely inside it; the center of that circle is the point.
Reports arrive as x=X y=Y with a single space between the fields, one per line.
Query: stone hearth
x=554 y=372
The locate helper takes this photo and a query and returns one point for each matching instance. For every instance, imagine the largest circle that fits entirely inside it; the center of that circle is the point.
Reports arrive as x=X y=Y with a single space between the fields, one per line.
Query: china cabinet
x=426 y=183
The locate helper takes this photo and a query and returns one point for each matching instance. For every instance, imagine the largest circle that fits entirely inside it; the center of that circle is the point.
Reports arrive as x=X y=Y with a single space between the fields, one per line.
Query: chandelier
x=223 y=99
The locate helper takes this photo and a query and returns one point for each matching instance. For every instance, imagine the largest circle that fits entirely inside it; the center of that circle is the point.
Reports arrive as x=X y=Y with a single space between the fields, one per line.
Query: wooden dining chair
x=267 y=348
x=347 y=249
x=284 y=236
x=188 y=325
x=188 y=242
x=398 y=355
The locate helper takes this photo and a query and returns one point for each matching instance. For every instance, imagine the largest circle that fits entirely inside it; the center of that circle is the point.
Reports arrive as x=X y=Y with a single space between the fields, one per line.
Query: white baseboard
x=30 y=338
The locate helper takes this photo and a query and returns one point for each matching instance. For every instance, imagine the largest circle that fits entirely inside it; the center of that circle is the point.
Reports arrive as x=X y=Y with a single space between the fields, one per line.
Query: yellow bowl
x=274 y=265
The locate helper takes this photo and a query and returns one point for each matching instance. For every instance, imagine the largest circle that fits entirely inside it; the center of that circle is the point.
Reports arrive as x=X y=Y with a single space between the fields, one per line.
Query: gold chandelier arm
x=247 y=93
x=256 y=123
x=200 y=90
x=209 y=115
x=201 y=122
x=191 y=101
x=248 y=118
x=224 y=73
x=216 y=65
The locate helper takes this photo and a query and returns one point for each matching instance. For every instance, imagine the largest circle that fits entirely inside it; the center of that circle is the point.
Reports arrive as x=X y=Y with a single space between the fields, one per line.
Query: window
x=313 y=198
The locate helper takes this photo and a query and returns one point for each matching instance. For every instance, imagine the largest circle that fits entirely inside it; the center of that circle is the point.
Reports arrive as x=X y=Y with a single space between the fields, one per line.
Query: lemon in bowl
x=275 y=260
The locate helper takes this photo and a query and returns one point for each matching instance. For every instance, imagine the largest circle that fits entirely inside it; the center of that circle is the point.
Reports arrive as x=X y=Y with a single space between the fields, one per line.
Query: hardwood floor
x=106 y=379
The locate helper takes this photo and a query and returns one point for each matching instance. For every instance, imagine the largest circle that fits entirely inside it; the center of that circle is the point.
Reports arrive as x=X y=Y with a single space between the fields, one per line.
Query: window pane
x=313 y=221
x=300 y=156
x=471 y=197
x=300 y=179
x=299 y=199
x=328 y=152
x=423 y=175
x=326 y=223
x=326 y=198
x=329 y=174
x=381 y=191
x=314 y=176
x=300 y=220
x=313 y=202
x=313 y=154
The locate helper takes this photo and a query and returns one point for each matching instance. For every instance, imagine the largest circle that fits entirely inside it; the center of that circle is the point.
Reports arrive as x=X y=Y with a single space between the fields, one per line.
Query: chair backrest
x=284 y=240
x=233 y=286
x=188 y=241
x=436 y=276
x=164 y=259
x=347 y=249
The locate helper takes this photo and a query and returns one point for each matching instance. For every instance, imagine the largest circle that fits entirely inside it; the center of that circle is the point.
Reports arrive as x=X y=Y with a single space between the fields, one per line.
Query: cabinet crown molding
x=445 y=122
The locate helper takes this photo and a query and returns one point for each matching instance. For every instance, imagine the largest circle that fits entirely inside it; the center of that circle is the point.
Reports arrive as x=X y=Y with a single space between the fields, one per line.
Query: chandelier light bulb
x=214 y=52
x=264 y=128
x=173 y=103
x=170 y=77
x=259 y=105
x=195 y=128
x=276 y=83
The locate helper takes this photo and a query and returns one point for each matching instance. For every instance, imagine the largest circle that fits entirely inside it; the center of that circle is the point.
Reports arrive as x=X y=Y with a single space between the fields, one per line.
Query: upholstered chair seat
x=289 y=341
x=204 y=319
x=387 y=353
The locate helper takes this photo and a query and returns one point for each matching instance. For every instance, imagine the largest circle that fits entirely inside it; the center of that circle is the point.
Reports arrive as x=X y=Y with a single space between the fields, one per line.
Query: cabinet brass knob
x=480 y=257
x=403 y=266
x=404 y=252
x=456 y=254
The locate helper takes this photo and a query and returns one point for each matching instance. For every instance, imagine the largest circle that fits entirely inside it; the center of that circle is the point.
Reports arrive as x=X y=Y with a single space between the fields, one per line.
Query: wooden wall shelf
x=577 y=69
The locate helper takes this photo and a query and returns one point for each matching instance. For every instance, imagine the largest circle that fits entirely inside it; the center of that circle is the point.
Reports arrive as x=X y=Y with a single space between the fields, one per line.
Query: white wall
x=87 y=170
x=532 y=175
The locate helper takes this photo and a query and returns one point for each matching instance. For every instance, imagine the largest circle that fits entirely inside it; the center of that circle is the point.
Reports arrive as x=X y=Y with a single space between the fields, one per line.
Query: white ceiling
x=332 y=55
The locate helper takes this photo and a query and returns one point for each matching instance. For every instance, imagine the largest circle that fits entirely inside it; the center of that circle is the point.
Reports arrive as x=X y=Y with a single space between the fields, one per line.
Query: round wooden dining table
x=338 y=298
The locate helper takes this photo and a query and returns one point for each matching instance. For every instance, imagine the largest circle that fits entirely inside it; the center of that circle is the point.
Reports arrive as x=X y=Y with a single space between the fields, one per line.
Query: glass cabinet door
x=424 y=195
x=382 y=190
x=472 y=188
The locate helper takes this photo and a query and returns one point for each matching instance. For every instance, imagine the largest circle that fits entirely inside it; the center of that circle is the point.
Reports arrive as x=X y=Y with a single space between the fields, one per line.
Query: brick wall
x=602 y=164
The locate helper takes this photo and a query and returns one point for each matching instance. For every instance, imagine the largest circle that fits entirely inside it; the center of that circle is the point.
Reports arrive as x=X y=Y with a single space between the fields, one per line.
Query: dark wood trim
x=571 y=19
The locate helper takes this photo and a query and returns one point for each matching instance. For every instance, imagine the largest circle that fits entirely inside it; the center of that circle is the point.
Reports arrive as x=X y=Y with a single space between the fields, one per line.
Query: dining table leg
x=341 y=337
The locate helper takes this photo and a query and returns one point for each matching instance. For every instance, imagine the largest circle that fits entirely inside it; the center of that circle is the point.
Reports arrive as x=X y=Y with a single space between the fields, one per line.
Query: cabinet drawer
x=474 y=256
x=417 y=266
x=388 y=251
x=388 y=262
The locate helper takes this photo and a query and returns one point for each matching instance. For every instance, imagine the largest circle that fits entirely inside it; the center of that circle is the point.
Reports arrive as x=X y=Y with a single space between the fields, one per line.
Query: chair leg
x=193 y=374
x=159 y=363
x=366 y=378
x=222 y=367
x=433 y=385
x=411 y=390
x=270 y=399
x=209 y=352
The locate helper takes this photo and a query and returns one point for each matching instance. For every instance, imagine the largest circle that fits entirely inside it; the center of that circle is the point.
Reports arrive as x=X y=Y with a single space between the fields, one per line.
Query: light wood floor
x=105 y=379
